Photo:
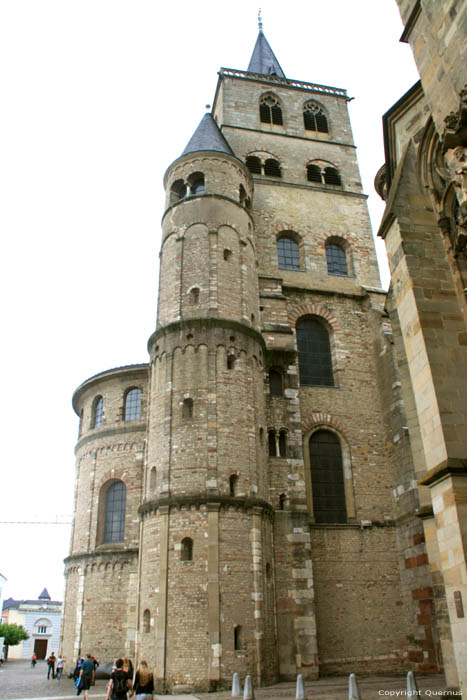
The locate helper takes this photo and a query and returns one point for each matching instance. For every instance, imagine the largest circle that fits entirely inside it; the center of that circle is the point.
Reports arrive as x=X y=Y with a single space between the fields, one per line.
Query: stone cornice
x=448 y=468
x=197 y=500
x=206 y=323
x=99 y=433
x=104 y=552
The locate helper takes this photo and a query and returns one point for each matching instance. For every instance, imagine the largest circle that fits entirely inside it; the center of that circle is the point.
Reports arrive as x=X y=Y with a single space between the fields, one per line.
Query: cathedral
x=250 y=499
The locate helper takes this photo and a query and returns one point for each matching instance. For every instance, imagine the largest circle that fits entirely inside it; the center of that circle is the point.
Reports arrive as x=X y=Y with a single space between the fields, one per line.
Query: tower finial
x=260 y=21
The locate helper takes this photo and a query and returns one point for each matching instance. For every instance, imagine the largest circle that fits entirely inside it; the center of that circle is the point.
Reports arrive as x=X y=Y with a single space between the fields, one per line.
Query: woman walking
x=144 y=682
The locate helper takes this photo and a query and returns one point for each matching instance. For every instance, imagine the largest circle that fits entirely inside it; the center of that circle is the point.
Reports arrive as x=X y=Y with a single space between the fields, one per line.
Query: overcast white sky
x=98 y=98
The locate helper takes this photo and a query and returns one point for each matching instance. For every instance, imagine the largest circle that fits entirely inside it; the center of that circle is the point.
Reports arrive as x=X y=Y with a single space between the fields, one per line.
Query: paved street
x=18 y=681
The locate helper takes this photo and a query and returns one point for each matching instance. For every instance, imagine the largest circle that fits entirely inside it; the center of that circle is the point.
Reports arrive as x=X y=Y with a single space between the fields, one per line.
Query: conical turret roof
x=44 y=595
x=207 y=137
x=263 y=59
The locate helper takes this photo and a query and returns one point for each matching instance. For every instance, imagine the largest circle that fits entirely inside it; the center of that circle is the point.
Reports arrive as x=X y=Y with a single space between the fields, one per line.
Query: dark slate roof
x=263 y=59
x=11 y=604
x=44 y=595
x=207 y=137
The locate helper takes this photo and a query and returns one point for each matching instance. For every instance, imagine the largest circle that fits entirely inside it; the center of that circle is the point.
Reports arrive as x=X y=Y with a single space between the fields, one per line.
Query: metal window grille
x=336 y=260
x=288 y=254
x=314 y=354
x=114 y=518
x=327 y=478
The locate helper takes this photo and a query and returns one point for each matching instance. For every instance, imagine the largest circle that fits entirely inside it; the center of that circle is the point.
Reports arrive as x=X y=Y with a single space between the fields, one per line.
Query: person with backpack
x=119 y=684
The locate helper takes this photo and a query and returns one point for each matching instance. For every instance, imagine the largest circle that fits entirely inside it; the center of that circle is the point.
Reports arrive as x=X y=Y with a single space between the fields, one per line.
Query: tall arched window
x=133 y=404
x=146 y=621
x=272 y=446
x=314 y=353
x=288 y=256
x=336 y=259
x=327 y=478
x=270 y=111
x=238 y=638
x=233 y=484
x=114 y=512
x=283 y=443
x=153 y=479
x=97 y=412
x=186 y=551
x=314 y=118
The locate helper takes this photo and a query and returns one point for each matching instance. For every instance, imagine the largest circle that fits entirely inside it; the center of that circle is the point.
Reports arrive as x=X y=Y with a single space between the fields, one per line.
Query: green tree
x=12 y=634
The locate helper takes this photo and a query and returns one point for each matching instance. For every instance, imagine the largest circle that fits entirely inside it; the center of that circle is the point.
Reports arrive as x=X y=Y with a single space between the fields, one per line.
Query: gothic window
x=314 y=118
x=114 y=512
x=97 y=412
x=288 y=253
x=146 y=621
x=196 y=182
x=327 y=478
x=133 y=404
x=283 y=443
x=336 y=259
x=313 y=173
x=275 y=383
x=272 y=168
x=186 y=551
x=187 y=410
x=270 y=111
x=332 y=177
x=272 y=448
x=314 y=353
x=253 y=163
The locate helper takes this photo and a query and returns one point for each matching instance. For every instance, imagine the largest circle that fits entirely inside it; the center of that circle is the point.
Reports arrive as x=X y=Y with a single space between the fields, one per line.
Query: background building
x=41 y=619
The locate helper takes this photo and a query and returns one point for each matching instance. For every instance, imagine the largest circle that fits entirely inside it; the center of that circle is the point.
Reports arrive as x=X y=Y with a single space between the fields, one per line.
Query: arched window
x=283 y=443
x=230 y=361
x=194 y=296
x=177 y=191
x=187 y=411
x=327 y=478
x=332 y=177
x=270 y=111
x=313 y=173
x=133 y=404
x=186 y=551
x=282 y=499
x=114 y=512
x=237 y=638
x=233 y=484
x=288 y=253
x=314 y=353
x=275 y=383
x=146 y=621
x=314 y=117
x=272 y=447
x=97 y=412
x=196 y=182
x=153 y=479
x=253 y=163
x=336 y=259
x=272 y=168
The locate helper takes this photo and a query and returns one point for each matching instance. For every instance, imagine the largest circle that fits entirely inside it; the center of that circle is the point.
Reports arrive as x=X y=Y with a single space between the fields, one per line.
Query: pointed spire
x=263 y=59
x=207 y=137
x=44 y=595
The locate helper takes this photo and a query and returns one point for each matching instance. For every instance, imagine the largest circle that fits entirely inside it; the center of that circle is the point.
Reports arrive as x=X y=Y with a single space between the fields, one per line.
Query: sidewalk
x=18 y=681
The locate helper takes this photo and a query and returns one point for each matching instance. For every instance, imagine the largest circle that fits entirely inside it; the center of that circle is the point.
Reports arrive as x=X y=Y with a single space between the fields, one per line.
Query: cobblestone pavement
x=18 y=681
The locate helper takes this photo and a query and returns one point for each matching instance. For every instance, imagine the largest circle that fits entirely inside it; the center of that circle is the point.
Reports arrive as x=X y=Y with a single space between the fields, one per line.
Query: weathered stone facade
x=424 y=182
x=232 y=557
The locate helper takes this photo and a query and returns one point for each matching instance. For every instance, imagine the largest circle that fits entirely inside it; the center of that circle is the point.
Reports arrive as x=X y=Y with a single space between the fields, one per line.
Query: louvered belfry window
x=327 y=478
x=314 y=118
x=270 y=111
x=314 y=354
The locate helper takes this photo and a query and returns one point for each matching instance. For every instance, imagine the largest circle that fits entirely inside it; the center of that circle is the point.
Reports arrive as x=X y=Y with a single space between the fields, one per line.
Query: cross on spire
x=260 y=21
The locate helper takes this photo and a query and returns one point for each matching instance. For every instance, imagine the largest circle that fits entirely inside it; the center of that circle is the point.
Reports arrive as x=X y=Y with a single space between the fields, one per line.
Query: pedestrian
x=144 y=682
x=79 y=663
x=51 y=665
x=86 y=675
x=33 y=660
x=128 y=667
x=60 y=665
x=119 y=684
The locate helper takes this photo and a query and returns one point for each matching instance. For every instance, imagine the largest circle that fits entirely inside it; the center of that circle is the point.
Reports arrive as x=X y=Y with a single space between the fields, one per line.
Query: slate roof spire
x=263 y=59
x=44 y=595
x=207 y=137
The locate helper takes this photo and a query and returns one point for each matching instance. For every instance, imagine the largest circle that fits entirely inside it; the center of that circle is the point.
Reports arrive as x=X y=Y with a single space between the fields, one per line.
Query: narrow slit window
x=186 y=551
x=233 y=484
x=237 y=638
x=188 y=409
x=272 y=448
x=283 y=443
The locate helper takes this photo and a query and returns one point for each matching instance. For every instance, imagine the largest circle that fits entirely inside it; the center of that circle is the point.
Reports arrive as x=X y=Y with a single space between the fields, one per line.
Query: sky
x=98 y=98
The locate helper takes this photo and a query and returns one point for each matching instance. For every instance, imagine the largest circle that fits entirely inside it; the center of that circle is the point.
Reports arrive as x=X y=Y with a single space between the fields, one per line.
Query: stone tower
x=234 y=501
